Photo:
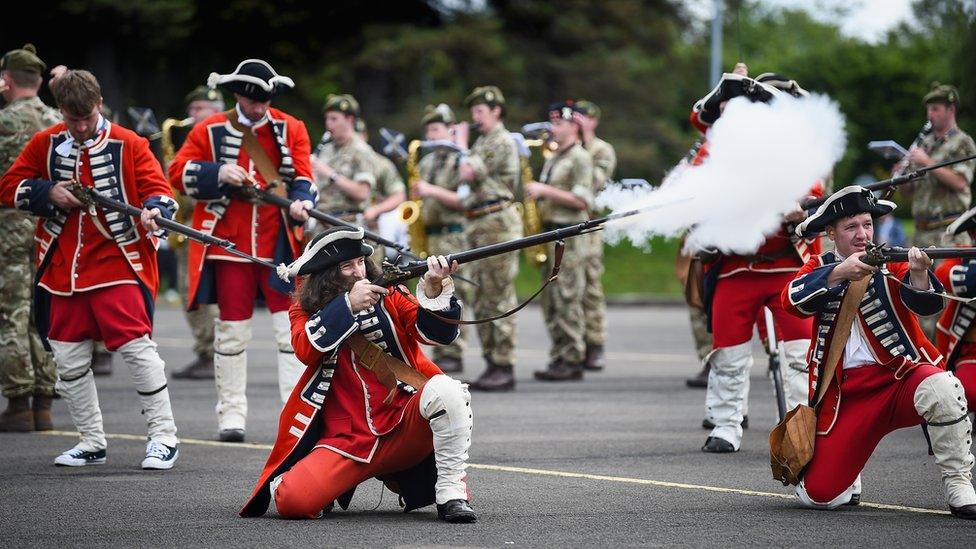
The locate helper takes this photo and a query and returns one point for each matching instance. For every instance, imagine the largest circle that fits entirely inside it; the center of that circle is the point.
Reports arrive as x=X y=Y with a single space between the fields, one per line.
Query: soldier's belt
x=486 y=208
x=452 y=228
x=936 y=222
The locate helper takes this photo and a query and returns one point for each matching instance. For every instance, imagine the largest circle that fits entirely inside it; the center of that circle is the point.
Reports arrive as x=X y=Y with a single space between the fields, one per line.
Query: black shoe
x=700 y=380
x=716 y=445
x=966 y=512
x=456 y=510
x=231 y=435
x=708 y=425
x=101 y=363
x=496 y=377
x=595 y=360
x=201 y=368
x=449 y=365
x=560 y=371
x=855 y=500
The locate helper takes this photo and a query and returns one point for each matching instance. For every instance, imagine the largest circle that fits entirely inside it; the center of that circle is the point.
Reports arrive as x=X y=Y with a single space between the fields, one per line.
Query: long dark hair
x=318 y=289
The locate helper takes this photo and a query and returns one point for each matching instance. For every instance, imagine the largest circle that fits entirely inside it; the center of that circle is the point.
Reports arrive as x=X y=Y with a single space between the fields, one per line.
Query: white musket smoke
x=762 y=159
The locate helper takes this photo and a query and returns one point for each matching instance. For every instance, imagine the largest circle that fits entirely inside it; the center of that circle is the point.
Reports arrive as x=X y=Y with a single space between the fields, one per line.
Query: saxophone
x=411 y=210
x=536 y=255
x=169 y=152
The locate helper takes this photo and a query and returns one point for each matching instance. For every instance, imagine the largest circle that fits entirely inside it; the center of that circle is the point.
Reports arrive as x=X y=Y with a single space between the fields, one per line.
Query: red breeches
x=115 y=315
x=738 y=303
x=237 y=288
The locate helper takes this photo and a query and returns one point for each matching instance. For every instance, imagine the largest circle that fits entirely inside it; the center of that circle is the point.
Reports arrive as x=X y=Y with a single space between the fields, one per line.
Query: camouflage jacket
x=604 y=162
x=495 y=160
x=570 y=170
x=19 y=121
x=353 y=160
x=440 y=168
x=933 y=201
x=388 y=180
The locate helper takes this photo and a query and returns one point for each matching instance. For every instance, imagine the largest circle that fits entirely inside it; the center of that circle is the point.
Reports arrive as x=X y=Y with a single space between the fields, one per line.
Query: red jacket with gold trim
x=265 y=231
x=85 y=249
x=338 y=403
x=886 y=316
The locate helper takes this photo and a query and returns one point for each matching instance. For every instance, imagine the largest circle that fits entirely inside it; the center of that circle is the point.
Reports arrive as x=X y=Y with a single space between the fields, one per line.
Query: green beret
x=344 y=103
x=360 y=125
x=485 y=95
x=588 y=108
x=24 y=59
x=441 y=113
x=202 y=93
x=942 y=93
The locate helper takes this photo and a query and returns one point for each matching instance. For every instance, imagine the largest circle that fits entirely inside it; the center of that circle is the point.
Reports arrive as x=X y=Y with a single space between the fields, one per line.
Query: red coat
x=91 y=251
x=338 y=404
x=261 y=230
x=887 y=318
x=959 y=278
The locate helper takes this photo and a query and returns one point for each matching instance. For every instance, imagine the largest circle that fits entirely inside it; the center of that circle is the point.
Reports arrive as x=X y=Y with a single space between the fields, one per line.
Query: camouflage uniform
x=353 y=160
x=594 y=302
x=445 y=231
x=388 y=182
x=935 y=206
x=562 y=301
x=25 y=367
x=494 y=158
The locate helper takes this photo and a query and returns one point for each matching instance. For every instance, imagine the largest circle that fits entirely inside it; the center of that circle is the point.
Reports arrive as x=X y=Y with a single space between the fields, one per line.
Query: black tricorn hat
x=852 y=200
x=328 y=249
x=729 y=87
x=254 y=79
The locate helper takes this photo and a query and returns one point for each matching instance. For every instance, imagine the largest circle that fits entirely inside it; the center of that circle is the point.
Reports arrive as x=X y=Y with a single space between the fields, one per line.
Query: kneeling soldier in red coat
x=890 y=375
x=369 y=403
x=96 y=276
x=955 y=334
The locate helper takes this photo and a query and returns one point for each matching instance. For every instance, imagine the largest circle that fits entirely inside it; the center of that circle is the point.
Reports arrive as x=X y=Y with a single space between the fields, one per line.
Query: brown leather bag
x=791 y=443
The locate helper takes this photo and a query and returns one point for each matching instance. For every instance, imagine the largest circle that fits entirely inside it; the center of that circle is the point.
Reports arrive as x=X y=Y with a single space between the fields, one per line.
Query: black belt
x=452 y=228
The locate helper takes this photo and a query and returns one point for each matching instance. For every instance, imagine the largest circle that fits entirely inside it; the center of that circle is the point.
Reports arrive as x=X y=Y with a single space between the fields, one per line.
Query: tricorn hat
x=254 y=79
x=328 y=249
x=852 y=200
x=965 y=222
x=732 y=85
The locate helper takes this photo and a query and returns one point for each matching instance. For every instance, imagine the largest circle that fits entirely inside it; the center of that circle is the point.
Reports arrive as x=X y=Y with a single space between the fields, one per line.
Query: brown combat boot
x=496 y=377
x=201 y=368
x=101 y=363
x=595 y=360
x=560 y=371
x=42 y=413
x=18 y=417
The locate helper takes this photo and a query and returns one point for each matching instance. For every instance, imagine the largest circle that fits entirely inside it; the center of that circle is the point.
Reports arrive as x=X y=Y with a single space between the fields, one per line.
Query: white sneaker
x=78 y=457
x=160 y=456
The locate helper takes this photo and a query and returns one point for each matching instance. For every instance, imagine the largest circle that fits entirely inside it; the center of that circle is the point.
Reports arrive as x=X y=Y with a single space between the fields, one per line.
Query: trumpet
x=902 y=164
x=411 y=211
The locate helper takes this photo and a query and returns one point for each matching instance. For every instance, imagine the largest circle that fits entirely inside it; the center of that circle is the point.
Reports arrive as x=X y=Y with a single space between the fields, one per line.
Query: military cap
x=441 y=113
x=846 y=202
x=360 y=125
x=23 y=59
x=563 y=110
x=202 y=93
x=254 y=79
x=485 y=95
x=941 y=93
x=588 y=108
x=326 y=250
x=344 y=103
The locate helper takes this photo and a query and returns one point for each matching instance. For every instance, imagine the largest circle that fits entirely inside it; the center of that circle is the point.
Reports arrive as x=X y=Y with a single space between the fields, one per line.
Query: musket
x=90 y=198
x=879 y=254
x=396 y=274
x=891 y=183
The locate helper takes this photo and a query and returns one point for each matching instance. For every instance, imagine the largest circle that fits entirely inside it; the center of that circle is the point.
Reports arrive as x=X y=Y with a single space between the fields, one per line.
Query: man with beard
x=369 y=404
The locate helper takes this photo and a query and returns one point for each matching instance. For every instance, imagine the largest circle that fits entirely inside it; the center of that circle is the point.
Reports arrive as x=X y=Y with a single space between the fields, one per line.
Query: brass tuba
x=411 y=211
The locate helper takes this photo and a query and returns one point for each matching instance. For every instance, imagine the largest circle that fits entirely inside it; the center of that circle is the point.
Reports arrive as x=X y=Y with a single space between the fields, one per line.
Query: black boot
x=716 y=445
x=101 y=363
x=966 y=512
x=201 y=368
x=699 y=380
x=595 y=360
x=18 y=417
x=456 y=510
x=496 y=377
x=560 y=371
x=708 y=425
x=231 y=435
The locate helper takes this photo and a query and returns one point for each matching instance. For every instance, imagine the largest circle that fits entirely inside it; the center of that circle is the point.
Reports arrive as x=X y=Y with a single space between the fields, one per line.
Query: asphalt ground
x=613 y=460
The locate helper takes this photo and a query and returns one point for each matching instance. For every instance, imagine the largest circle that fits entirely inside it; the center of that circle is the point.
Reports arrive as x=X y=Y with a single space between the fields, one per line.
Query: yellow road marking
x=545 y=472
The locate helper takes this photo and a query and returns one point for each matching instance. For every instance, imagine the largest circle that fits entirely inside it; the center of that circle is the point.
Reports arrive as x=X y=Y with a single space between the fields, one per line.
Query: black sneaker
x=160 y=456
x=77 y=457
x=456 y=510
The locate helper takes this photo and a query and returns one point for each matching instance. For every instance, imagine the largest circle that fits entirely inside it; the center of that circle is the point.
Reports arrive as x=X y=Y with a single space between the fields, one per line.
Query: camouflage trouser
x=938 y=238
x=201 y=321
x=25 y=367
x=443 y=245
x=562 y=303
x=699 y=331
x=495 y=277
x=594 y=302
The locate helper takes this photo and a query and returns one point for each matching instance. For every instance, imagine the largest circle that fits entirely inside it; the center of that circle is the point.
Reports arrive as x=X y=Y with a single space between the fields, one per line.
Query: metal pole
x=716 y=66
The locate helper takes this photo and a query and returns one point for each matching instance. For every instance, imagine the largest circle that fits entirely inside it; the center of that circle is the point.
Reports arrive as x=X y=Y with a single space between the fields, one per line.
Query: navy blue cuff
x=33 y=195
x=329 y=327
x=166 y=205
x=437 y=331
x=921 y=302
x=201 y=182
x=810 y=293
x=302 y=189
x=962 y=278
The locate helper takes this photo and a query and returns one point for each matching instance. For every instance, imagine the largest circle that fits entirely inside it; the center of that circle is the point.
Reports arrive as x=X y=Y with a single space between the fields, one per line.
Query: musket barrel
x=880 y=256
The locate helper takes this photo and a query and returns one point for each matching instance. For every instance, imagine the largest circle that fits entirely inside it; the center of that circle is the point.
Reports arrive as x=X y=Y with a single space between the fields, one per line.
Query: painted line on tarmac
x=542 y=472
x=186 y=343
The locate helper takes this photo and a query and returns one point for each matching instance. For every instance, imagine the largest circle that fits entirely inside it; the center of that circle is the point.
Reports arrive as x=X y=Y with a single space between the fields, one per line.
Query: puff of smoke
x=762 y=159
